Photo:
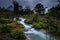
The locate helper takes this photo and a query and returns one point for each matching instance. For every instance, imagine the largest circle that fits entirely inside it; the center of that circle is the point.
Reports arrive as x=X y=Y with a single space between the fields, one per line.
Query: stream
x=33 y=34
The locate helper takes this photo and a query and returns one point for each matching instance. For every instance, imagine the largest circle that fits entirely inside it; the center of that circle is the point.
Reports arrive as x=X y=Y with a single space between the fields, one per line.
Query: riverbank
x=10 y=29
x=48 y=23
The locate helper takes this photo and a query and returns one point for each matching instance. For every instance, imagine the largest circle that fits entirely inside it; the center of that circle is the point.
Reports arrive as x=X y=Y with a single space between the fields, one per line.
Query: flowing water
x=33 y=34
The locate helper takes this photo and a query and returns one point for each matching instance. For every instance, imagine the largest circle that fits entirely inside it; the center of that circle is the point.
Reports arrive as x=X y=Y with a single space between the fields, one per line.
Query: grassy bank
x=10 y=29
x=46 y=22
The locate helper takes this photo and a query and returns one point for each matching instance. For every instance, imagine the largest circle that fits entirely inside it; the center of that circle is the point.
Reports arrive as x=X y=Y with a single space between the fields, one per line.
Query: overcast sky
x=31 y=3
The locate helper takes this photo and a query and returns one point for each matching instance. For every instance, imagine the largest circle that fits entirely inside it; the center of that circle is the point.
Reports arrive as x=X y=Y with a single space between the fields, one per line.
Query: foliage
x=5 y=21
x=18 y=35
x=39 y=25
x=28 y=21
x=54 y=12
x=8 y=26
x=5 y=29
x=39 y=8
x=53 y=20
x=16 y=7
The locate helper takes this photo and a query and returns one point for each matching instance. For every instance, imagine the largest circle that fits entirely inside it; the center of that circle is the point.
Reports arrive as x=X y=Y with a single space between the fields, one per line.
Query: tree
x=16 y=6
x=39 y=8
x=59 y=2
x=20 y=7
x=54 y=12
x=0 y=8
x=27 y=10
x=21 y=10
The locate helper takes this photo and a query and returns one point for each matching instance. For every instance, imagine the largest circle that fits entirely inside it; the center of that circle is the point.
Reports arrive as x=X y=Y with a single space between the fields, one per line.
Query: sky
x=31 y=3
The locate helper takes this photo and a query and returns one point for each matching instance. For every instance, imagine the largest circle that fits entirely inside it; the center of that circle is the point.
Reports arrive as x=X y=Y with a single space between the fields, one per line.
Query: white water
x=33 y=34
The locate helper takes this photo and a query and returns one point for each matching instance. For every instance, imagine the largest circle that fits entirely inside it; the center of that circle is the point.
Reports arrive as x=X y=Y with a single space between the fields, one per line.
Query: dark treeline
x=55 y=11
x=18 y=9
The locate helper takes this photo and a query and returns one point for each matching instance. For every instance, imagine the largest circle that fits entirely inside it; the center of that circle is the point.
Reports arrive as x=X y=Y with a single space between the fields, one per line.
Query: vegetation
x=10 y=29
x=49 y=21
x=18 y=35
x=39 y=8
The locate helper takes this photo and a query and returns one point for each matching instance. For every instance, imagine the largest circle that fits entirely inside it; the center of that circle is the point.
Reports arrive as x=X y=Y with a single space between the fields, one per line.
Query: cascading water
x=33 y=34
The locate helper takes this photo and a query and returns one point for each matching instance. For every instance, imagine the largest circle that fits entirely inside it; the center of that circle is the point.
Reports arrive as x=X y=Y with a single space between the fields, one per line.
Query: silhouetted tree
x=27 y=10
x=3 y=8
x=20 y=7
x=32 y=11
x=39 y=8
x=16 y=6
x=0 y=8
x=59 y=2
x=21 y=10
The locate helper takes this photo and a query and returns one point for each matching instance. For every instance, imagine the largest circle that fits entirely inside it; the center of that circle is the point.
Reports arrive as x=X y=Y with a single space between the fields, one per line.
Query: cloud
x=31 y=3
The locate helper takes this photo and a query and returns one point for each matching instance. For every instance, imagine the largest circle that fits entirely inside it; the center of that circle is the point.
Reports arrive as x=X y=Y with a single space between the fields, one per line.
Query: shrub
x=4 y=21
x=19 y=35
x=39 y=25
x=36 y=26
x=29 y=21
x=5 y=29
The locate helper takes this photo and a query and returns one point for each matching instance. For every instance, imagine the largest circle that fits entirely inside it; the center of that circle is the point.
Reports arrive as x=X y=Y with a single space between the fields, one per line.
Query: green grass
x=12 y=28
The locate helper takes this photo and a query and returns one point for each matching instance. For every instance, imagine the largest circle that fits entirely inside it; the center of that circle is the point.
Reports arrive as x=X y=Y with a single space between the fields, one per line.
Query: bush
x=28 y=21
x=36 y=18
x=5 y=29
x=39 y=25
x=4 y=21
x=19 y=35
